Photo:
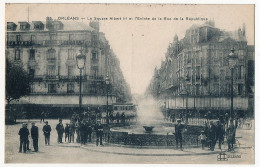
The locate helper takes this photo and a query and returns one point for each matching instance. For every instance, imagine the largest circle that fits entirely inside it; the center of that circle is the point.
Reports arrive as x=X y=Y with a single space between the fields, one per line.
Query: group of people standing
x=213 y=132
x=24 y=139
x=83 y=130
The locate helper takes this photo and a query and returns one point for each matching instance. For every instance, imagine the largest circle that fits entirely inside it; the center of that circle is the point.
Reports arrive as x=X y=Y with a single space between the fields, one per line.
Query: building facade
x=47 y=51
x=195 y=74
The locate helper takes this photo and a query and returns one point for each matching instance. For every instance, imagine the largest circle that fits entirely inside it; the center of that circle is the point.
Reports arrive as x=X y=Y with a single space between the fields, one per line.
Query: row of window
x=53 y=36
x=51 y=55
x=52 y=72
x=52 y=88
x=215 y=89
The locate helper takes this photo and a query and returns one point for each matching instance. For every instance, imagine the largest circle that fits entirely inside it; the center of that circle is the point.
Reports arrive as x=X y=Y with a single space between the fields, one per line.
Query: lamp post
x=107 y=80
x=232 y=60
x=81 y=61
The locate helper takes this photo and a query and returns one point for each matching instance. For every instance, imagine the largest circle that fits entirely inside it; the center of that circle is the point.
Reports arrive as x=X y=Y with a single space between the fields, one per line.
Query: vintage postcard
x=129 y=84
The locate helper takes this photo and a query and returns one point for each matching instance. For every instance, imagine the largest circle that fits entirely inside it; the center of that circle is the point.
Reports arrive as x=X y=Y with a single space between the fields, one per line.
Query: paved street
x=75 y=153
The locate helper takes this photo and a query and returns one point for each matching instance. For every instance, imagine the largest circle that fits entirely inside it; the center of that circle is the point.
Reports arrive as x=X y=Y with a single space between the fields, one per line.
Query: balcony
x=52 y=42
x=51 y=77
x=38 y=78
x=19 y=43
x=96 y=78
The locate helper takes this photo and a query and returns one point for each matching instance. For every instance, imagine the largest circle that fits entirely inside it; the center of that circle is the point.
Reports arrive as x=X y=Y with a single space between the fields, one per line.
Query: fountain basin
x=148 y=129
x=161 y=135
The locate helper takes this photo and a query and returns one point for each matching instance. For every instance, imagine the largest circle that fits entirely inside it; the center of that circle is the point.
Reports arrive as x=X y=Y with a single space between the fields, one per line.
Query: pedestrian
x=117 y=117
x=35 y=136
x=67 y=132
x=83 y=132
x=77 y=132
x=89 y=130
x=211 y=135
x=106 y=130
x=42 y=116
x=209 y=116
x=231 y=136
x=60 y=130
x=71 y=132
x=172 y=117
x=226 y=119
x=47 y=133
x=179 y=128
x=123 y=118
x=28 y=141
x=111 y=117
x=24 y=133
x=99 y=132
x=202 y=139
x=220 y=132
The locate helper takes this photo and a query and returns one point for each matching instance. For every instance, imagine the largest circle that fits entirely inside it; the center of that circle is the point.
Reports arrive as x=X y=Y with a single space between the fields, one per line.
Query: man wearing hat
x=67 y=132
x=24 y=133
x=220 y=131
x=99 y=131
x=212 y=135
x=178 y=133
x=60 y=130
x=35 y=136
x=47 y=132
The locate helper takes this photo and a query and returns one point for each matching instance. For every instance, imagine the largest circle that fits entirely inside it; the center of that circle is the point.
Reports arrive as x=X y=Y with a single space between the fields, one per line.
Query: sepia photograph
x=129 y=83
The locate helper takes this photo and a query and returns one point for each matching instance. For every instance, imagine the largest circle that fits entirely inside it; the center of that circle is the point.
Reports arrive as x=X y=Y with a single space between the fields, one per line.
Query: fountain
x=151 y=129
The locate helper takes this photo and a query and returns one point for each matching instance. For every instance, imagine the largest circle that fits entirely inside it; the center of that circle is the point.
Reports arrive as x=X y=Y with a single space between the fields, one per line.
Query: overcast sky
x=141 y=45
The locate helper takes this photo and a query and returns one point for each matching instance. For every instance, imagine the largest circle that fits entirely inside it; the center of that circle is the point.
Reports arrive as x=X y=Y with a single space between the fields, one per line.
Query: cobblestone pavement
x=110 y=153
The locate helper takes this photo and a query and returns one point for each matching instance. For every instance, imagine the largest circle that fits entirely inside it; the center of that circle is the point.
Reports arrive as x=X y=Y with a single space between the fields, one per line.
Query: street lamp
x=107 y=80
x=81 y=61
x=232 y=60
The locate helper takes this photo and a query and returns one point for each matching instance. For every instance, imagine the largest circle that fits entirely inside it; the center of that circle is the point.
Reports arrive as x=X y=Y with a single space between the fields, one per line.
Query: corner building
x=195 y=75
x=47 y=51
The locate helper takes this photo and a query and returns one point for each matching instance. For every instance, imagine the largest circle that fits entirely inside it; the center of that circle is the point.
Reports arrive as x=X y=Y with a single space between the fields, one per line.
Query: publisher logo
x=222 y=156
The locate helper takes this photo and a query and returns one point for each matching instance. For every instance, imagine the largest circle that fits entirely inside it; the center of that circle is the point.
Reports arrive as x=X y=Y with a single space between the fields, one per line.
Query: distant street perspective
x=73 y=96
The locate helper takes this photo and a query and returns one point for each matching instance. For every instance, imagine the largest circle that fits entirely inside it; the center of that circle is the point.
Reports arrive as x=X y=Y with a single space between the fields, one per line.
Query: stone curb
x=137 y=154
x=140 y=154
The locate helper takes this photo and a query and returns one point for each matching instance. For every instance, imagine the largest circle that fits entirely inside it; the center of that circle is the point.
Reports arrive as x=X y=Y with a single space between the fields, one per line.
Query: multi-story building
x=196 y=75
x=47 y=50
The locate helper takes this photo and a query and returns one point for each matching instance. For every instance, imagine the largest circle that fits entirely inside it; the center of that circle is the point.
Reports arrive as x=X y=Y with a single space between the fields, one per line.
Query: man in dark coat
x=219 y=133
x=212 y=135
x=178 y=133
x=99 y=132
x=67 y=132
x=60 y=130
x=231 y=135
x=47 y=133
x=83 y=128
x=35 y=136
x=24 y=133
x=71 y=132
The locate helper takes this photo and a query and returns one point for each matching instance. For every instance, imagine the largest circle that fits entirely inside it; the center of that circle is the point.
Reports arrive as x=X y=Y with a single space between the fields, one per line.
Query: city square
x=86 y=90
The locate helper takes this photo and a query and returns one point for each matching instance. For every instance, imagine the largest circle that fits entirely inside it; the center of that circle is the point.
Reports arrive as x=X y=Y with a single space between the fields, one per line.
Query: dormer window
x=11 y=26
x=38 y=25
x=24 y=26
